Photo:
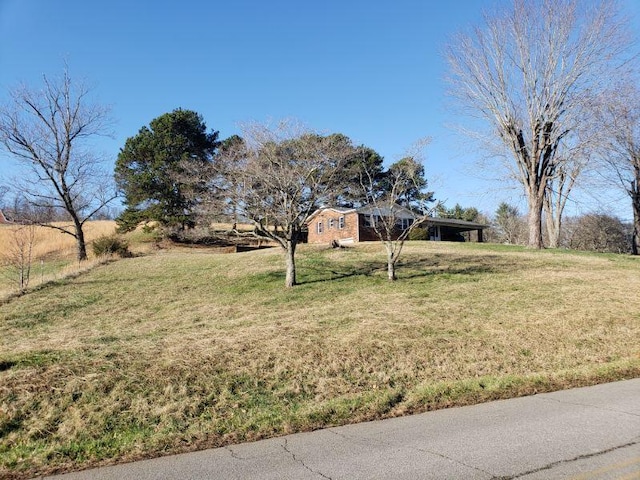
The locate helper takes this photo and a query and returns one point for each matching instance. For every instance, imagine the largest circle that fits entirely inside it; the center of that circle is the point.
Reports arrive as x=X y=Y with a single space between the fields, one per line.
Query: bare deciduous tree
x=279 y=178
x=397 y=205
x=599 y=233
x=559 y=189
x=17 y=256
x=622 y=150
x=46 y=130
x=532 y=72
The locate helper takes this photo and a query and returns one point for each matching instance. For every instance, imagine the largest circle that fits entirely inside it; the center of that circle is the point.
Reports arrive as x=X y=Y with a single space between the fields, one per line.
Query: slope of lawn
x=183 y=350
x=53 y=253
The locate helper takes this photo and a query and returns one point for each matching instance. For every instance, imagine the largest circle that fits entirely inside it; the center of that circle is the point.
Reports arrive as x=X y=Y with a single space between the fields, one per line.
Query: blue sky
x=370 y=70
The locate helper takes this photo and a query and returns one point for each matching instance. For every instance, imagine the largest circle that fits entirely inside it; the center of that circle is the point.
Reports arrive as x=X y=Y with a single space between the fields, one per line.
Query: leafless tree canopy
x=509 y=225
x=46 y=130
x=599 y=233
x=532 y=73
x=278 y=176
x=621 y=118
x=400 y=206
x=16 y=258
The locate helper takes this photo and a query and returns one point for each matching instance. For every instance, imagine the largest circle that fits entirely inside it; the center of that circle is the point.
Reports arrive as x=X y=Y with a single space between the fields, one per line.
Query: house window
x=341 y=222
x=405 y=223
x=319 y=227
x=332 y=223
x=372 y=220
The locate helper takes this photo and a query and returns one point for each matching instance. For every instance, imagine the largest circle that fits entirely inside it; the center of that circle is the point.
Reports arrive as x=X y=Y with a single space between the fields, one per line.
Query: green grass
x=39 y=270
x=183 y=350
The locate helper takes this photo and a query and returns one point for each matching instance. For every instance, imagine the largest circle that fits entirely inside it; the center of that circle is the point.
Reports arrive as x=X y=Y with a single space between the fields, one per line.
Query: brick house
x=352 y=225
x=334 y=224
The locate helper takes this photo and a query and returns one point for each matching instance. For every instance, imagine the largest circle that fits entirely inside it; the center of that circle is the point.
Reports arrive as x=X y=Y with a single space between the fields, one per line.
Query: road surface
x=581 y=434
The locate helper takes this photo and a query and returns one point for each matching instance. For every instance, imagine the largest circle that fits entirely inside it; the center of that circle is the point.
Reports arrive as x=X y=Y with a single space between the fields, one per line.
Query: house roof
x=403 y=212
x=334 y=209
x=399 y=211
x=365 y=209
x=454 y=222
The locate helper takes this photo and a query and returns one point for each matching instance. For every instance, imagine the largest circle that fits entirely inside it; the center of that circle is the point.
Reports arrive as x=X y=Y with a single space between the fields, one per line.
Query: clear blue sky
x=371 y=70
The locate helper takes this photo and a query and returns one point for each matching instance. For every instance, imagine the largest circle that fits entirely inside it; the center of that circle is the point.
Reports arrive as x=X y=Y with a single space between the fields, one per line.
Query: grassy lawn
x=183 y=350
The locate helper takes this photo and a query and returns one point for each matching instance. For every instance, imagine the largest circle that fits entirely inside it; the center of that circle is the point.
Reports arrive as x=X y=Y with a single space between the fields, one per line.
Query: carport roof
x=462 y=225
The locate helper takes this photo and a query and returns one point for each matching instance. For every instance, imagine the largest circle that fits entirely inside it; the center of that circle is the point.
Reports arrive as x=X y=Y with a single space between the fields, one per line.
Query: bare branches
x=16 y=257
x=399 y=205
x=46 y=130
x=276 y=177
x=532 y=73
x=621 y=152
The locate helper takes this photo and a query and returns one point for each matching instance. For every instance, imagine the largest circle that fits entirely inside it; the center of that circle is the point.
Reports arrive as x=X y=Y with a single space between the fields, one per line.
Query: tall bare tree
x=47 y=130
x=559 y=189
x=278 y=178
x=622 y=151
x=532 y=72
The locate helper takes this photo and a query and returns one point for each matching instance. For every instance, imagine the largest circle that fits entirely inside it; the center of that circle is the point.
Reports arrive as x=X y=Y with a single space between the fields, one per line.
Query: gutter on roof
x=454 y=222
x=324 y=209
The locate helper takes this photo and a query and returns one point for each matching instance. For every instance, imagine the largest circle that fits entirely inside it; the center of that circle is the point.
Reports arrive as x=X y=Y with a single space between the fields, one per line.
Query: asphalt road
x=581 y=434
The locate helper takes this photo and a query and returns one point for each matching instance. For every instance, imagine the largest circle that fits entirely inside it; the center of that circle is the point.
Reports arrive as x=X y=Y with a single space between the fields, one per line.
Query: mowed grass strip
x=178 y=351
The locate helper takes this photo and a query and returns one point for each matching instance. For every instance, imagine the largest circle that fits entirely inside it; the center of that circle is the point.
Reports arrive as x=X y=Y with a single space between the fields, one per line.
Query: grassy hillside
x=184 y=350
x=53 y=252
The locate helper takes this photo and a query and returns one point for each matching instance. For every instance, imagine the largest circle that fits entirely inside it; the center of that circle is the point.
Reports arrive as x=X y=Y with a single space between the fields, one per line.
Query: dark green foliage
x=469 y=214
x=361 y=163
x=111 y=245
x=405 y=182
x=155 y=168
x=234 y=142
x=510 y=227
x=129 y=220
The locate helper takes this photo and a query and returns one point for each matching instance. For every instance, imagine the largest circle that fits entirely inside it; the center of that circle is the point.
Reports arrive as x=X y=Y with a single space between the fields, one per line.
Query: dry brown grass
x=226 y=227
x=183 y=350
x=54 y=252
x=50 y=242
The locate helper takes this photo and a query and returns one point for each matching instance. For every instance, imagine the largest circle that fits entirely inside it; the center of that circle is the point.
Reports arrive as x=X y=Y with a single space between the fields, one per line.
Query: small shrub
x=111 y=245
x=419 y=233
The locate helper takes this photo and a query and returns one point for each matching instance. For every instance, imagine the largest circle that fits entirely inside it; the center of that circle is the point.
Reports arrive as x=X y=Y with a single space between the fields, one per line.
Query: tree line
x=177 y=173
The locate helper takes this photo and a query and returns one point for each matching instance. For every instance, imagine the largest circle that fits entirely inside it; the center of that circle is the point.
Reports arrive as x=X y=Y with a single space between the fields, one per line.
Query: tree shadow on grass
x=415 y=267
x=333 y=271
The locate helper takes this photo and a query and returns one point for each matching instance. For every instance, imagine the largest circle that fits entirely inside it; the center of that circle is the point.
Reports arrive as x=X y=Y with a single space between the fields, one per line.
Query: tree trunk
x=635 y=200
x=553 y=229
x=553 y=232
x=635 y=240
x=80 y=242
x=290 y=280
x=391 y=263
x=535 y=221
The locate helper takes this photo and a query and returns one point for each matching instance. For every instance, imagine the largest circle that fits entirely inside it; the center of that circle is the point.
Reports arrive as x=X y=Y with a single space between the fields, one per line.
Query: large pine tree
x=150 y=169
